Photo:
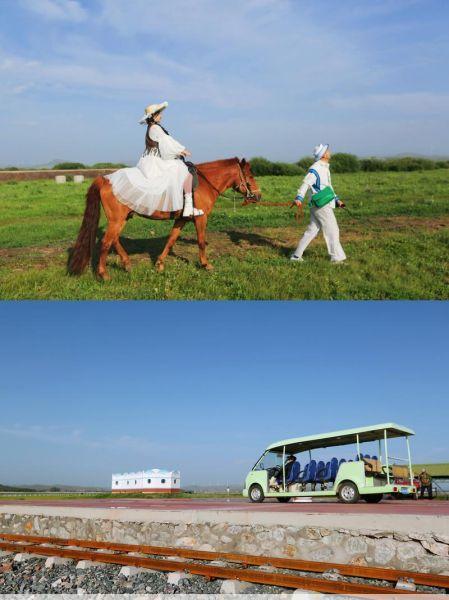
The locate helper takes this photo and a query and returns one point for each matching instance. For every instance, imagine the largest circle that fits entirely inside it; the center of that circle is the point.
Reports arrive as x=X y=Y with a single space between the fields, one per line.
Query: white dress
x=156 y=182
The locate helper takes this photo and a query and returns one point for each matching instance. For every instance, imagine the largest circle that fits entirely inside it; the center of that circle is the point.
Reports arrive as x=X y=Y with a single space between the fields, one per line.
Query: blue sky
x=88 y=389
x=243 y=77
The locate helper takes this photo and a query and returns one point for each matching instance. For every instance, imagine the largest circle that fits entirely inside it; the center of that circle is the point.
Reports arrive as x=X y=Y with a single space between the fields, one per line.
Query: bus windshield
x=270 y=459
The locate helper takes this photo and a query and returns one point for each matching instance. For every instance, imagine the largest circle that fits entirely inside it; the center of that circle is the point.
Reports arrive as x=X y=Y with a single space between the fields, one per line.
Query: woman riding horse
x=154 y=189
x=161 y=180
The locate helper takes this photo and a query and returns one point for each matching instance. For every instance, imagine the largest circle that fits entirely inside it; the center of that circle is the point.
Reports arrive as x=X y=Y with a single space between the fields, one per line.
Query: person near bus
x=291 y=470
x=323 y=201
x=425 y=481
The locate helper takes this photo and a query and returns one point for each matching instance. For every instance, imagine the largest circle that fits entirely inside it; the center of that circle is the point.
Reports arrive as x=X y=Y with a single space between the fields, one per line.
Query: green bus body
x=353 y=472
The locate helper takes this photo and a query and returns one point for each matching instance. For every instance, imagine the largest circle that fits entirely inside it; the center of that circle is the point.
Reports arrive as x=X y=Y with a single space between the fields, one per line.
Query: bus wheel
x=256 y=493
x=373 y=498
x=348 y=493
x=284 y=499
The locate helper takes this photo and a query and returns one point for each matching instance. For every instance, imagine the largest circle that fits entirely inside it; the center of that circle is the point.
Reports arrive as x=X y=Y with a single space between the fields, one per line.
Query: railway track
x=158 y=558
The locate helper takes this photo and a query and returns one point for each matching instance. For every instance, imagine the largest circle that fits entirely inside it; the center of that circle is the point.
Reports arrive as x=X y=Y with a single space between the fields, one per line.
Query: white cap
x=151 y=109
x=319 y=151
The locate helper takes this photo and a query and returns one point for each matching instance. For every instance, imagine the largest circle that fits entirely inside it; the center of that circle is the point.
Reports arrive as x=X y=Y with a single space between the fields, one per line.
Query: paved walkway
x=400 y=507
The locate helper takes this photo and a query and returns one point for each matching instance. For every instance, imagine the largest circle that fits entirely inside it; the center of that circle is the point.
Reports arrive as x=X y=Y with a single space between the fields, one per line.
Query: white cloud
x=60 y=435
x=244 y=55
x=40 y=433
x=17 y=90
x=146 y=76
x=405 y=103
x=233 y=68
x=56 y=10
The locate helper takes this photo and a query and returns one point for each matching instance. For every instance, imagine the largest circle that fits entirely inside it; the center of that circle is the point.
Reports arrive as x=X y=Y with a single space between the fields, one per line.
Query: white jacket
x=318 y=177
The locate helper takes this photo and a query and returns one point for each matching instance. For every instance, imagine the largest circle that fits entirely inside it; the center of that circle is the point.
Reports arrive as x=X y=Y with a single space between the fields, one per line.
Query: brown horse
x=213 y=177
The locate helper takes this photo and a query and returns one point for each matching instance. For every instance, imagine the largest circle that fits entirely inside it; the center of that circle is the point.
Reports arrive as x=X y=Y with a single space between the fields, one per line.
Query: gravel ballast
x=31 y=576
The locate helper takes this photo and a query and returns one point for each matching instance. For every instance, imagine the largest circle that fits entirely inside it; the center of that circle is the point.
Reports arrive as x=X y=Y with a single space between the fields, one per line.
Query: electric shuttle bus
x=306 y=466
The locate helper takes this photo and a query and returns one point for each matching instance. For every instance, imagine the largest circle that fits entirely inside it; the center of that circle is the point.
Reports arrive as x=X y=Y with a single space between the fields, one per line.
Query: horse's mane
x=215 y=164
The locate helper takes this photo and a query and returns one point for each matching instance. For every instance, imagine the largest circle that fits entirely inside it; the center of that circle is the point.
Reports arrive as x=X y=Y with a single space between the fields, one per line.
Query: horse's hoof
x=160 y=267
x=208 y=267
x=104 y=276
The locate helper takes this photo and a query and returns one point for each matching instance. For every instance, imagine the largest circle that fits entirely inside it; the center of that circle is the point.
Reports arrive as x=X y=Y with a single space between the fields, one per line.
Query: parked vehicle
x=279 y=472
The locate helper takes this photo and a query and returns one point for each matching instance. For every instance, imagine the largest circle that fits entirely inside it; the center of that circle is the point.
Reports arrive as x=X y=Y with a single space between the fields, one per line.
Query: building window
x=127 y=483
x=116 y=483
x=174 y=481
x=149 y=480
x=162 y=480
x=135 y=480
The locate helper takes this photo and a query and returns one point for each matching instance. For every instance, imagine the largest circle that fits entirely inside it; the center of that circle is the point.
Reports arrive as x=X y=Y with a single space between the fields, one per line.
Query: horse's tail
x=84 y=246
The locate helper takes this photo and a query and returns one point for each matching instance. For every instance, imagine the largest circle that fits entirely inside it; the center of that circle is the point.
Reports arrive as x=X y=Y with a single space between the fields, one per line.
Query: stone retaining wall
x=413 y=551
x=51 y=173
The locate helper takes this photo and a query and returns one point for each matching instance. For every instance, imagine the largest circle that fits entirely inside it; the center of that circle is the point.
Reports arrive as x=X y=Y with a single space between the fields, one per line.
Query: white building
x=148 y=482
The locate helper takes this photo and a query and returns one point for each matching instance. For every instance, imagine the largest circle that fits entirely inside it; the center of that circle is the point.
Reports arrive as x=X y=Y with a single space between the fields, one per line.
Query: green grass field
x=396 y=239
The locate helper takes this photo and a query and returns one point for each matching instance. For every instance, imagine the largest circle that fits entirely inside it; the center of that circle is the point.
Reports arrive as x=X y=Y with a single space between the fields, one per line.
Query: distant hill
x=58 y=161
x=51 y=488
x=37 y=487
x=48 y=165
x=9 y=488
x=66 y=488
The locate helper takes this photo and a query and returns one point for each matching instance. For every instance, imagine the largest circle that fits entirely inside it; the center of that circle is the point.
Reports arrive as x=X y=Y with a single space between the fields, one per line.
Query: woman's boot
x=189 y=210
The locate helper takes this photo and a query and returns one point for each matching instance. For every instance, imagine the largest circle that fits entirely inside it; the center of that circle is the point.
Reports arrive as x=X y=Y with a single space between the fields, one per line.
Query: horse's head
x=245 y=183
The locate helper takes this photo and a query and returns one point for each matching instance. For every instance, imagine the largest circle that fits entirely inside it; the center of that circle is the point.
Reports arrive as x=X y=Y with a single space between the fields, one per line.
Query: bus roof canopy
x=341 y=438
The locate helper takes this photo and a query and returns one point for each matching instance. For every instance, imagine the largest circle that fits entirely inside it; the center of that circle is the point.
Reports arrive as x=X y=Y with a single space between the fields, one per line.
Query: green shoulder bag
x=322 y=198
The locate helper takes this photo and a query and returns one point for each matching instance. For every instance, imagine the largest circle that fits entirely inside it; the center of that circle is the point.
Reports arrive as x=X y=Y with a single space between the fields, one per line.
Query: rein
x=207 y=180
x=250 y=196
x=299 y=213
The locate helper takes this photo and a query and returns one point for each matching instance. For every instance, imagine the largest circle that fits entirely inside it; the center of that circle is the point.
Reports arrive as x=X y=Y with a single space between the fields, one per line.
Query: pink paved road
x=402 y=507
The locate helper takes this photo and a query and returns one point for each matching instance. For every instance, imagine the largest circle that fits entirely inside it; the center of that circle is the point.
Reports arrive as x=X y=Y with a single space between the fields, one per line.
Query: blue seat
x=331 y=470
x=367 y=456
x=311 y=473
x=334 y=468
x=305 y=473
x=320 y=471
x=374 y=457
x=293 y=476
x=342 y=460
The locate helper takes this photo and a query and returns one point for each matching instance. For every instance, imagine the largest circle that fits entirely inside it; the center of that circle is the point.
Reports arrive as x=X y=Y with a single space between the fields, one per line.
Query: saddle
x=192 y=170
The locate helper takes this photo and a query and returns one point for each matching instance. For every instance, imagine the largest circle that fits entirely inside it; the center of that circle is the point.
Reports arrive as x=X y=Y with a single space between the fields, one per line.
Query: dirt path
x=232 y=242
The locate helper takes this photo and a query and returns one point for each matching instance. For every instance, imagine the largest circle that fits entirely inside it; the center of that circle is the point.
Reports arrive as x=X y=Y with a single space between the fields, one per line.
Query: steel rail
x=212 y=572
x=429 y=579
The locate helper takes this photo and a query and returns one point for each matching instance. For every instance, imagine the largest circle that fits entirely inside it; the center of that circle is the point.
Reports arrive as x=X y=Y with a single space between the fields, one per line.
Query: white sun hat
x=319 y=151
x=151 y=109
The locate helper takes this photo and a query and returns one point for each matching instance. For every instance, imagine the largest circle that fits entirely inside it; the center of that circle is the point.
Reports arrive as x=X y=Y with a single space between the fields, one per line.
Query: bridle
x=243 y=187
x=250 y=195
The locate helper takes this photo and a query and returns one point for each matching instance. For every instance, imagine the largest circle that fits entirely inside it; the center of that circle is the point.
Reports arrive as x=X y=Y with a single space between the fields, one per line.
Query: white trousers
x=323 y=219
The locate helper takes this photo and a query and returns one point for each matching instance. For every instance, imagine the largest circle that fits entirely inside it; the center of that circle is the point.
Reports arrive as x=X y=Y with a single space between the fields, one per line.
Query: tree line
x=347 y=163
x=69 y=166
x=341 y=163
